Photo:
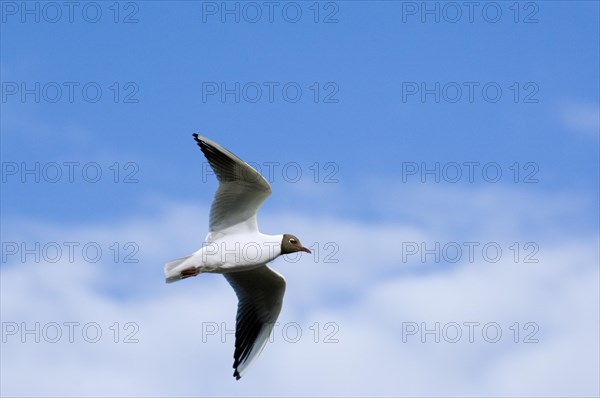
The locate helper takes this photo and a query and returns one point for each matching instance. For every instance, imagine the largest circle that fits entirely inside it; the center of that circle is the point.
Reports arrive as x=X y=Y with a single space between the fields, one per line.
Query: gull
x=235 y=248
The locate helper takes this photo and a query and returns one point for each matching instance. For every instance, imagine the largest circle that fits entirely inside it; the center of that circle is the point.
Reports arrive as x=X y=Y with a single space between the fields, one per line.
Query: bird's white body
x=231 y=253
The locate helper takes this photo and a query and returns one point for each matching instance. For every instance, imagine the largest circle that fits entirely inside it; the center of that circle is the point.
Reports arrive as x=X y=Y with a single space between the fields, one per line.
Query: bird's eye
x=293 y=241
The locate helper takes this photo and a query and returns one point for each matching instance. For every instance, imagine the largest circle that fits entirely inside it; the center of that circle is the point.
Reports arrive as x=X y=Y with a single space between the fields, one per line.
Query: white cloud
x=582 y=117
x=368 y=294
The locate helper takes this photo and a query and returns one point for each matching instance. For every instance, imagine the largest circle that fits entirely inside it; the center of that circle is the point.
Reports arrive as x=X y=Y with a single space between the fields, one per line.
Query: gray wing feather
x=242 y=189
x=260 y=293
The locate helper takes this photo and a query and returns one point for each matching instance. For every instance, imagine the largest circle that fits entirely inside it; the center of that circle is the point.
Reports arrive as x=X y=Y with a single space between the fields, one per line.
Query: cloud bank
x=362 y=317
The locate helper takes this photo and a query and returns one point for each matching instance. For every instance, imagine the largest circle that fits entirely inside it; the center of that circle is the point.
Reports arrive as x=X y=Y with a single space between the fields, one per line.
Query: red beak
x=304 y=249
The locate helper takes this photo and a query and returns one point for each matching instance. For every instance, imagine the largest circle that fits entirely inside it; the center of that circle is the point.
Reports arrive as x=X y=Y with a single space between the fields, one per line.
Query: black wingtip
x=236 y=374
x=198 y=140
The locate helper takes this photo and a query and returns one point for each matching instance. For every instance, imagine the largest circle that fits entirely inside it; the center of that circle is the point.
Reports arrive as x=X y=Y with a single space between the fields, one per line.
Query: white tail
x=173 y=274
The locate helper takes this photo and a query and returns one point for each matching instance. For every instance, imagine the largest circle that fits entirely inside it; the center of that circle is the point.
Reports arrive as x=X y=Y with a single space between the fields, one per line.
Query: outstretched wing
x=260 y=294
x=241 y=189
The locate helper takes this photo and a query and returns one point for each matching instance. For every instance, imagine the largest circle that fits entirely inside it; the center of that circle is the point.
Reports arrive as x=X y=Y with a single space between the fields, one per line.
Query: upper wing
x=260 y=294
x=241 y=189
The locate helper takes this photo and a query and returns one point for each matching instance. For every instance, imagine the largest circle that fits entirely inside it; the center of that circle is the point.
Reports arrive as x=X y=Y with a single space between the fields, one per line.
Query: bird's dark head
x=291 y=244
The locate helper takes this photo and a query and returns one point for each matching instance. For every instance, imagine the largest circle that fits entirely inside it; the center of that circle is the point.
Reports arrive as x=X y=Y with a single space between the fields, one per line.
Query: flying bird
x=236 y=248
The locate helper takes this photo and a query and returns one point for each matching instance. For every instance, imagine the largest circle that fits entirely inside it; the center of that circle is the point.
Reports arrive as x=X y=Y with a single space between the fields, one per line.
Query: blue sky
x=368 y=136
